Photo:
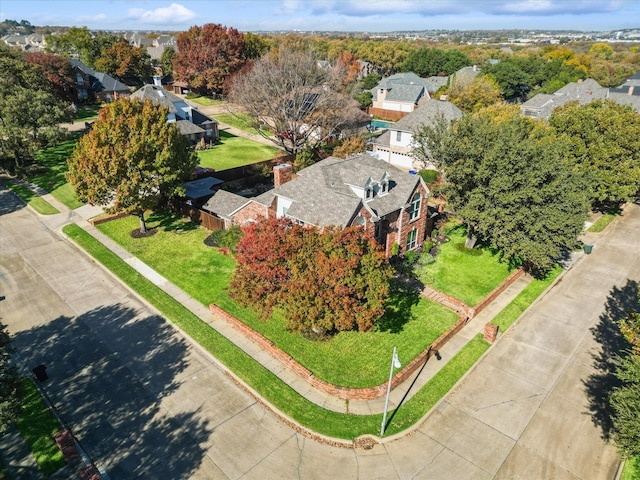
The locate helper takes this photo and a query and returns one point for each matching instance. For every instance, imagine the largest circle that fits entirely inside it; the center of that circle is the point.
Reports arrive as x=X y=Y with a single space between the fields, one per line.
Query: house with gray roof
x=92 y=85
x=192 y=123
x=395 y=145
x=400 y=92
x=584 y=91
x=360 y=191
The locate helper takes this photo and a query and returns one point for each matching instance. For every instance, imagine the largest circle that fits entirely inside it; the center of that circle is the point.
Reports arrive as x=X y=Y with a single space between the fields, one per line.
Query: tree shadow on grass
x=109 y=370
x=171 y=222
x=403 y=297
x=599 y=385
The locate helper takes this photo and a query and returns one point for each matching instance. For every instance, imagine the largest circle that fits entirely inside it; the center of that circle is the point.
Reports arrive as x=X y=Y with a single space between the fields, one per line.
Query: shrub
x=429 y=176
x=227 y=238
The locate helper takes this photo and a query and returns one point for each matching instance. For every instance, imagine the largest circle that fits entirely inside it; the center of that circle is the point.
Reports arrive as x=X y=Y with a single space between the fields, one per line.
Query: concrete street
x=145 y=403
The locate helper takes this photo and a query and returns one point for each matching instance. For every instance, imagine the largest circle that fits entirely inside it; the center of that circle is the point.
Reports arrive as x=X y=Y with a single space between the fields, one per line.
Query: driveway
x=144 y=402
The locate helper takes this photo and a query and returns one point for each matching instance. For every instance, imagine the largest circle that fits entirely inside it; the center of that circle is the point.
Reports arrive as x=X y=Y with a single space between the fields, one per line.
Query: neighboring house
x=91 y=85
x=195 y=125
x=628 y=93
x=396 y=144
x=366 y=68
x=33 y=42
x=465 y=76
x=158 y=46
x=399 y=93
x=584 y=91
x=436 y=83
x=360 y=190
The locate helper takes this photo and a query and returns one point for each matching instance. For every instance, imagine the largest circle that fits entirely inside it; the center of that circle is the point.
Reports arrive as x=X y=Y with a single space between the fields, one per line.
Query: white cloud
x=173 y=14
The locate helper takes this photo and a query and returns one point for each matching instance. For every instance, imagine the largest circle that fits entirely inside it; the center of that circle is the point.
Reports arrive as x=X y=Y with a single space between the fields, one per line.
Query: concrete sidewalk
x=402 y=392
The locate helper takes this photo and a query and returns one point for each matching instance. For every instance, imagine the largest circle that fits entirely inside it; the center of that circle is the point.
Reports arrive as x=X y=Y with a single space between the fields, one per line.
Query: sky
x=329 y=15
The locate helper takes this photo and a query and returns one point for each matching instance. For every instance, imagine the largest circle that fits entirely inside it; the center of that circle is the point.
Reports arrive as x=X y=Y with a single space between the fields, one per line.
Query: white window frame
x=412 y=239
x=414 y=209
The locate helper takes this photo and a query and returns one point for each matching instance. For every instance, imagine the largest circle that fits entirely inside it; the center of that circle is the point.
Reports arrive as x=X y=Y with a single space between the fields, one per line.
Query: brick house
x=91 y=85
x=391 y=205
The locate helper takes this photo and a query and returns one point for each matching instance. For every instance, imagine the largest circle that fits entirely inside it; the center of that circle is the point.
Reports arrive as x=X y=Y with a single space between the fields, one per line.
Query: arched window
x=414 y=209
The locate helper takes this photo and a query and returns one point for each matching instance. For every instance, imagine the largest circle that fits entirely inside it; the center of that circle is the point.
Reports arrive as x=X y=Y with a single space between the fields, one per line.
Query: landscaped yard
x=468 y=275
x=35 y=201
x=235 y=151
x=177 y=252
x=239 y=120
x=206 y=101
x=51 y=177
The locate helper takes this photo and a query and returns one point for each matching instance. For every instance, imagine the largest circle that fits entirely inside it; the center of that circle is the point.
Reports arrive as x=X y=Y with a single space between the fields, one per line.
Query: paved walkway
x=520 y=413
x=402 y=392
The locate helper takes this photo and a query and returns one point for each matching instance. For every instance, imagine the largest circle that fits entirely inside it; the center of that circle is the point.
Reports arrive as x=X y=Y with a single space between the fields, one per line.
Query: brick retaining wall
x=510 y=280
x=344 y=393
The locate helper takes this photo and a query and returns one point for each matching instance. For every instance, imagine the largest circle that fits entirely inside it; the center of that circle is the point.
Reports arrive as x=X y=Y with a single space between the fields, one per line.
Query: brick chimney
x=282 y=174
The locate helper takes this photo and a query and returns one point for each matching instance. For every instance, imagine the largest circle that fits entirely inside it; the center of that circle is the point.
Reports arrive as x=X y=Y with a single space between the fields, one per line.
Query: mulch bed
x=138 y=234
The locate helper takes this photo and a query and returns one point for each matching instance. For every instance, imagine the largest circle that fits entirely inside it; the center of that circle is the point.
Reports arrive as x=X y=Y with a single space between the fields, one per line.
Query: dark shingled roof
x=100 y=81
x=201 y=188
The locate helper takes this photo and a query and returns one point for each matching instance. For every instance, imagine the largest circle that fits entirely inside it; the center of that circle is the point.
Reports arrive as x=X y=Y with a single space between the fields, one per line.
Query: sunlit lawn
x=239 y=120
x=235 y=151
x=38 y=203
x=52 y=178
x=177 y=252
x=466 y=275
x=206 y=101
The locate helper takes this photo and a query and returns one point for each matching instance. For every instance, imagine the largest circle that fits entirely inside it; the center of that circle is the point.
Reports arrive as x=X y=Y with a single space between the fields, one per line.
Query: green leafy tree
x=625 y=401
x=371 y=81
x=30 y=110
x=166 y=60
x=131 y=159
x=428 y=61
x=511 y=77
x=479 y=94
x=505 y=177
x=604 y=146
x=125 y=62
x=9 y=383
x=208 y=55
x=75 y=42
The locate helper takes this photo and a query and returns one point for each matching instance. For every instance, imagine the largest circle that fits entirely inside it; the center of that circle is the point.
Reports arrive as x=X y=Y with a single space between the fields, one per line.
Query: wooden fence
x=207 y=220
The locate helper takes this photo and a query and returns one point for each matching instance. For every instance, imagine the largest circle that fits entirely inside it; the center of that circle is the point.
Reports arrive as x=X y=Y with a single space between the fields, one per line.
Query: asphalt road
x=146 y=404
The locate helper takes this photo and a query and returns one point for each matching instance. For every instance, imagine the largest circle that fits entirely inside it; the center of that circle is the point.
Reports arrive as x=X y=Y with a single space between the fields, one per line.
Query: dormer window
x=384 y=188
x=368 y=193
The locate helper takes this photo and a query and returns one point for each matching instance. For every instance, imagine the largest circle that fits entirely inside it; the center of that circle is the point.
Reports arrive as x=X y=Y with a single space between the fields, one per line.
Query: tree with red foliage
x=207 y=55
x=57 y=70
x=263 y=255
x=323 y=281
x=338 y=281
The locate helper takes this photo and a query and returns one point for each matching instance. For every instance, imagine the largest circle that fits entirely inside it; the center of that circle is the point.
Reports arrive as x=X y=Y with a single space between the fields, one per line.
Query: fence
x=207 y=220
x=391 y=115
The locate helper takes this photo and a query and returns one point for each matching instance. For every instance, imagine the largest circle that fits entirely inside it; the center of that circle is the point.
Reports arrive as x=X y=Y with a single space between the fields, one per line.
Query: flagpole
x=395 y=362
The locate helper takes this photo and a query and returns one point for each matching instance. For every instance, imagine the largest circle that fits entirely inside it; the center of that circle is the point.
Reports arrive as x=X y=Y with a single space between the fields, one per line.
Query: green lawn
x=53 y=161
x=235 y=151
x=631 y=470
x=88 y=113
x=206 y=101
x=38 y=203
x=512 y=312
x=604 y=221
x=177 y=252
x=468 y=275
x=38 y=426
x=239 y=120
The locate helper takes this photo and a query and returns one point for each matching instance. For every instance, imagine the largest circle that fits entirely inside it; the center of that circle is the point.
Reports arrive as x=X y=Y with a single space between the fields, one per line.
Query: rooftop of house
x=100 y=81
x=584 y=91
x=331 y=192
x=402 y=87
x=225 y=204
x=201 y=188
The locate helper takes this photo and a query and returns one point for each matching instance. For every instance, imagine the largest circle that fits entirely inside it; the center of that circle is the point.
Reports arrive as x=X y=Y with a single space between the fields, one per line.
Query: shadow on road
x=108 y=371
x=599 y=385
x=9 y=201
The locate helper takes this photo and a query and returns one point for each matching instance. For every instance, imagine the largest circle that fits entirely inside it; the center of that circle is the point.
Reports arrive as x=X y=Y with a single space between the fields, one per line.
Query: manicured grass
x=269 y=386
x=39 y=204
x=235 y=151
x=631 y=470
x=526 y=297
x=468 y=275
x=178 y=253
x=88 y=112
x=239 y=120
x=52 y=177
x=206 y=101
x=38 y=426
x=603 y=222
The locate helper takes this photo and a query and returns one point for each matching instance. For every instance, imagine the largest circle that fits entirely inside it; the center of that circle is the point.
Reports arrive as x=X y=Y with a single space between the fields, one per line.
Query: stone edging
x=344 y=393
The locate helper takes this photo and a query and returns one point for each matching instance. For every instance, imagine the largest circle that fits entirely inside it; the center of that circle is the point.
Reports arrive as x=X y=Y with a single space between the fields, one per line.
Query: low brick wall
x=336 y=390
x=513 y=276
x=107 y=218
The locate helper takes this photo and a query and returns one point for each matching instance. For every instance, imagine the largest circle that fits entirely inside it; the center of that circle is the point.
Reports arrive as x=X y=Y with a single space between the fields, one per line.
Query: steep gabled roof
x=427 y=114
x=100 y=81
x=322 y=194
